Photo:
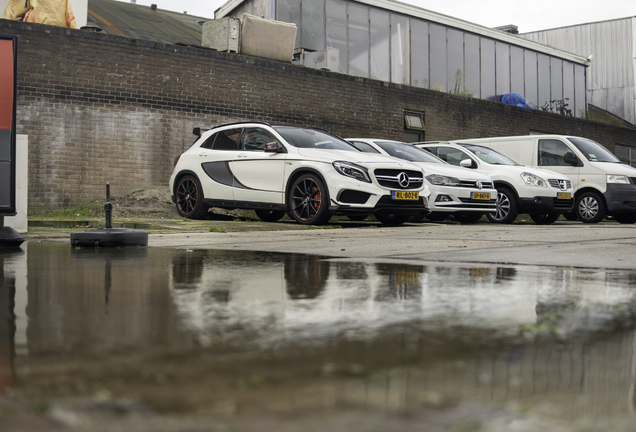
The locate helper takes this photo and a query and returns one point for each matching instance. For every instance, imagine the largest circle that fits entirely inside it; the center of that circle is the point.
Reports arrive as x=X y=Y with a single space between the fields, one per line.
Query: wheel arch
x=181 y=175
x=581 y=191
x=297 y=173
x=507 y=185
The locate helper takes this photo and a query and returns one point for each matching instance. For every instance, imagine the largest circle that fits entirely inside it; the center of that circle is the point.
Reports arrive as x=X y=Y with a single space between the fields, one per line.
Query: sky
x=526 y=15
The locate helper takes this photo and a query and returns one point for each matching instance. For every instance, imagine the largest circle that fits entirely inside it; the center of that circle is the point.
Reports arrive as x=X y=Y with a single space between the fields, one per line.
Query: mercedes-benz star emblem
x=403 y=179
x=479 y=184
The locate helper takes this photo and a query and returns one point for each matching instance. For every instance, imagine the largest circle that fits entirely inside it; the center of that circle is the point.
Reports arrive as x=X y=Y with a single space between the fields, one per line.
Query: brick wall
x=100 y=108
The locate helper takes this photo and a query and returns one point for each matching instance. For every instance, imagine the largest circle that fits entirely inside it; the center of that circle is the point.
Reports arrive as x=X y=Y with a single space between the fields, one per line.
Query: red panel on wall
x=6 y=84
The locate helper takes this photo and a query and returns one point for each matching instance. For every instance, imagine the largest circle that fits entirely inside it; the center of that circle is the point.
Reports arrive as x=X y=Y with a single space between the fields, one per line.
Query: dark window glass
x=593 y=151
x=622 y=153
x=412 y=136
x=451 y=155
x=255 y=139
x=311 y=138
x=227 y=139
x=552 y=152
x=362 y=146
x=579 y=106
x=407 y=152
x=568 y=84
x=490 y=156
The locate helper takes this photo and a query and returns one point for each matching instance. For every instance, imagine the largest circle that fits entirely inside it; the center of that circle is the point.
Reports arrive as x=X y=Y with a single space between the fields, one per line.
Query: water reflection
x=385 y=335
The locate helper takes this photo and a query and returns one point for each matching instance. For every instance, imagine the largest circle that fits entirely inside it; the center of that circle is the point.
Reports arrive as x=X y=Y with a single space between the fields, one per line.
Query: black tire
x=544 y=218
x=392 y=219
x=189 y=197
x=590 y=207
x=269 y=215
x=357 y=218
x=468 y=218
x=507 y=207
x=626 y=218
x=308 y=201
x=570 y=216
x=437 y=217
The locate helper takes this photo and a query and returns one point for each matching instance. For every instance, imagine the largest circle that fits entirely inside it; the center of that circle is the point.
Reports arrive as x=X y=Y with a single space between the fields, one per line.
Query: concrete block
x=222 y=34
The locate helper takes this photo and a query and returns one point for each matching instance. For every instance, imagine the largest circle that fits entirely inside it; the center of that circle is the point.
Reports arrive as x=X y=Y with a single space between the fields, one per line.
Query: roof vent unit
x=512 y=29
x=222 y=34
x=324 y=59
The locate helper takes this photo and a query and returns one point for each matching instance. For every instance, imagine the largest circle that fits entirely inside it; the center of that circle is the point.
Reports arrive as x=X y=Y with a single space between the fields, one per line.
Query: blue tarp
x=515 y=99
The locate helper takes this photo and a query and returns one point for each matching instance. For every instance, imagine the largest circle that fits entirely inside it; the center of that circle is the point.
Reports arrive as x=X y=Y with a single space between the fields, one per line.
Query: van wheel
x=590 y=207
x=507 y=208
x=626 y=218
x=544 y=218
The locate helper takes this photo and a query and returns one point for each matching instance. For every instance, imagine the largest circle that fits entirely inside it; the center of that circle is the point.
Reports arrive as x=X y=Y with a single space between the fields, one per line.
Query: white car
x=307 y=173
x=543 y=194
x=464 y=193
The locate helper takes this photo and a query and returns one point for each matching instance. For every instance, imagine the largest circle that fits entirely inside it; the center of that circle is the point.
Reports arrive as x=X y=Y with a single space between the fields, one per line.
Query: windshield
x=593 y=151
x=407 y=152
x=311 y=138
x=490 y=156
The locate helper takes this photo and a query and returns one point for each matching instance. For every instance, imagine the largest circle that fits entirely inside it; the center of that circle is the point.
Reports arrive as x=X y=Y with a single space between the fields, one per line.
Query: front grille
x=563 y=203
x=556 y=184
x=473 y=204
x=473 y=184
x=390 y=178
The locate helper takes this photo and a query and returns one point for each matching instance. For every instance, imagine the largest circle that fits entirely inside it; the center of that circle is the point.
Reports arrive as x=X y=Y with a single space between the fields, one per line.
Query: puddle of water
x=238 y=333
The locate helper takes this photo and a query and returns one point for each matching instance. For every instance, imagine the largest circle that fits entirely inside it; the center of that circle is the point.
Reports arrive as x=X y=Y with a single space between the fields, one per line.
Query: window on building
x=626 y=155
x=414 y=127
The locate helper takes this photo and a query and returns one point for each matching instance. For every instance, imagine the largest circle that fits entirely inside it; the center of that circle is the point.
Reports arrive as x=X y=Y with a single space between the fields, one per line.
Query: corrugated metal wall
x=612 y=76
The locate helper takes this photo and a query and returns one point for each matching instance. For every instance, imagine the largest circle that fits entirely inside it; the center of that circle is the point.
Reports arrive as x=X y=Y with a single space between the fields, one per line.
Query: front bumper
x=385 y=205
x=543 y=204
x=461 y=201
x=620 y=198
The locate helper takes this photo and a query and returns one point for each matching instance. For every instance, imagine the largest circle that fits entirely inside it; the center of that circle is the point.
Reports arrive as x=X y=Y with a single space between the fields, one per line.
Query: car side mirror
x=570 y=159
x=467 y=163
x=274 y=147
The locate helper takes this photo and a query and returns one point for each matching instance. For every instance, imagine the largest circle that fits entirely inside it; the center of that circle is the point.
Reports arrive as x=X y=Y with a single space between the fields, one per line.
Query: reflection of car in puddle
x=223 y=295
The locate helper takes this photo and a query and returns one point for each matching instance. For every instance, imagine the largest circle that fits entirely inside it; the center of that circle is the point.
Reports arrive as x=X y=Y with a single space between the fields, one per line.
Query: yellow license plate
x=405 y=195
x=564 y=195
x=480 y=195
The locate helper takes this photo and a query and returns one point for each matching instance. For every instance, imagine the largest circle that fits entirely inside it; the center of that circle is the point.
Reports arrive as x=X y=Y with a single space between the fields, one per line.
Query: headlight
x=613 y=178
x=442 y=180
x=533 y=180
x=352 y=170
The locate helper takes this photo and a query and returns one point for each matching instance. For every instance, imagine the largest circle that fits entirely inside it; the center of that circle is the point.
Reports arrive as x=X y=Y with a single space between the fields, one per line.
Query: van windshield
x=490 y=156
x=593 y=151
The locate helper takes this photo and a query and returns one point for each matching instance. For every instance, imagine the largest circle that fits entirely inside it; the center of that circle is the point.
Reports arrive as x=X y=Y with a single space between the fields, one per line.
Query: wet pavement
x=412 y=328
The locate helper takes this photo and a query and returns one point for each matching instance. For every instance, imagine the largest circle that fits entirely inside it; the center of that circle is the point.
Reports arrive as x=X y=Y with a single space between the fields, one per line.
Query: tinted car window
x=490 y=156
x=362 y=146
x=552 y=152
x=407 y=152
x=311 y=138
x=593 y=151
x=451 y=155
x=255 y=139
x=224 y=140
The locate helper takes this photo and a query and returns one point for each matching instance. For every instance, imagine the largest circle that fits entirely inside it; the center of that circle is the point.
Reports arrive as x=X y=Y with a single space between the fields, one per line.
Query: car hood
x=451 y=171
x=371 y=160
x=614 y=168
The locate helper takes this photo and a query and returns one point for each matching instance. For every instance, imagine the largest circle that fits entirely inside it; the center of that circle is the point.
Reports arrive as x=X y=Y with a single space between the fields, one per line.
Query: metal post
x=108 y=207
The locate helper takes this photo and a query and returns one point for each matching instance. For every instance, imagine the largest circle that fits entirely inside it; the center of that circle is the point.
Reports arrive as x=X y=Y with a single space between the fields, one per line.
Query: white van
x=603 y=186
x=542 y=194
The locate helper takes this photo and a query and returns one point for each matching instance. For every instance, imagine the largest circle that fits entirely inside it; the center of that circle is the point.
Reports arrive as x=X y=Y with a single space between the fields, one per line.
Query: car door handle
x=203 y=155
x=242 y=156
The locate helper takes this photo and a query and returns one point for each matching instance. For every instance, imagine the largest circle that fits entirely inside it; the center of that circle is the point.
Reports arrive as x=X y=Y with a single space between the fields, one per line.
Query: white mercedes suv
x=306 y=173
